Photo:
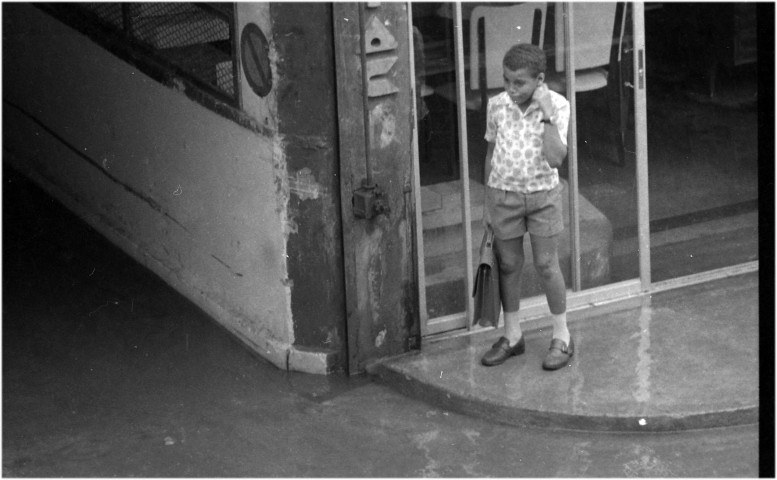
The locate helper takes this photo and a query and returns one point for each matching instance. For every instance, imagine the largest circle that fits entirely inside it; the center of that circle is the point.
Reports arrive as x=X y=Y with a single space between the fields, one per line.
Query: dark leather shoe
x=559 y=354
x=501 y=351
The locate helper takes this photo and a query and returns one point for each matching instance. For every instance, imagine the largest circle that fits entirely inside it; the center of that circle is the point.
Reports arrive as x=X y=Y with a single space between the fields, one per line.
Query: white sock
x=560 y=329
x=512 y=328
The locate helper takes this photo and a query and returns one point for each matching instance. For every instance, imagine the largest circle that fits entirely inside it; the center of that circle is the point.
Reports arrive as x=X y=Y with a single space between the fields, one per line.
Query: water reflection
x=644 y=359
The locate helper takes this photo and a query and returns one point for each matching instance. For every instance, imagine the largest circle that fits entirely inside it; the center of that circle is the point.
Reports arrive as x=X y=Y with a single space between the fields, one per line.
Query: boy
x=526 y=131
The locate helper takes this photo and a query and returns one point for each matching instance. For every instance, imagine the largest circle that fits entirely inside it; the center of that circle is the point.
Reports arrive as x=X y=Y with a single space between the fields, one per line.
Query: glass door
x=458 y=66
x=702 y=115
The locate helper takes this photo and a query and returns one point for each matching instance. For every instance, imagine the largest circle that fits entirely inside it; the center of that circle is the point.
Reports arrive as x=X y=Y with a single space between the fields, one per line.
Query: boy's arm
x=554 y=148
x=487 y=172
x=487 y=166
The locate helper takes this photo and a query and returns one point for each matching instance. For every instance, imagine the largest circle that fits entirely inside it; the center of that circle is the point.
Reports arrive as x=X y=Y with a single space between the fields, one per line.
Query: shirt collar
x=504 y=99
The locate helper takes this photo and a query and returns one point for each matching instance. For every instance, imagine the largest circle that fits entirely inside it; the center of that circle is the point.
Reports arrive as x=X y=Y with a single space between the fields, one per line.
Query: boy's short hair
x=525 y=55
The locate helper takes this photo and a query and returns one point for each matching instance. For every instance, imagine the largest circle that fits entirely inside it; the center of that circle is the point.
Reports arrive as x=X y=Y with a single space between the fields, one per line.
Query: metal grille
x=195 y=38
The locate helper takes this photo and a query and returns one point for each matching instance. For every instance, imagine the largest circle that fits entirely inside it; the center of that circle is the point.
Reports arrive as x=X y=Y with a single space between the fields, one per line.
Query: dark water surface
x=109 y=372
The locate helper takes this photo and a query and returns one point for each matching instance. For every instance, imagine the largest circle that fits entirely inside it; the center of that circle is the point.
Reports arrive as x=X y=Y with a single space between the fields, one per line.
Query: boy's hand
x=542 y=96
x=486 y=217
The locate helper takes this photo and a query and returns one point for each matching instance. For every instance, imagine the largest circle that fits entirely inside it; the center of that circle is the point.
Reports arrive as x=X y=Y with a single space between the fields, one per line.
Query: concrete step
x=670 y=361
x=691 y=249
x=441 y=204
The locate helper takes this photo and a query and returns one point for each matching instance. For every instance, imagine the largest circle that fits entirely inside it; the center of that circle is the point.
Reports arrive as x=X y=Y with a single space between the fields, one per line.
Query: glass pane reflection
x=702 y=136
x=606 y=202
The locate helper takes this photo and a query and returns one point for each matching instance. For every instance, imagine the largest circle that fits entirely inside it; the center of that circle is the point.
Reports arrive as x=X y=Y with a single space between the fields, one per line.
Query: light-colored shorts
x=513 y=213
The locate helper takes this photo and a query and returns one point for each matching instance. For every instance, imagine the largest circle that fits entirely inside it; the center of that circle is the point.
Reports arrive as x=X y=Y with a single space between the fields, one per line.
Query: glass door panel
x=703 y=147
x=602 y=158
x=599 y=244
x=443 y=225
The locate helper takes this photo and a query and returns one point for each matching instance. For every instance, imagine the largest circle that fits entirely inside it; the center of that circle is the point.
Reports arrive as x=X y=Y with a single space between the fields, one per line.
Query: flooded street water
x=109 y=372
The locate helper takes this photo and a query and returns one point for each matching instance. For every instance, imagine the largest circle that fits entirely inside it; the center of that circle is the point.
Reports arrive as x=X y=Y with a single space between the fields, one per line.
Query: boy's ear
x=541 y=77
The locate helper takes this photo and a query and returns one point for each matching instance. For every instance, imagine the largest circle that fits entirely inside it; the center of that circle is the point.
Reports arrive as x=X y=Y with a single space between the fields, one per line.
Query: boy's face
x=520 y=84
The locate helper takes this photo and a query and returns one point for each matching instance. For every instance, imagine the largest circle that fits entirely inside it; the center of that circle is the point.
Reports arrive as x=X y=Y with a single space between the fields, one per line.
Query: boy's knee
x=546 y=267
x=509 y=264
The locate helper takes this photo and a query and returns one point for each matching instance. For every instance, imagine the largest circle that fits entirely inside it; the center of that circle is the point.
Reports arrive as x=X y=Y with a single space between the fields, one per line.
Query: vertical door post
x=374 y=121
x=640 y=135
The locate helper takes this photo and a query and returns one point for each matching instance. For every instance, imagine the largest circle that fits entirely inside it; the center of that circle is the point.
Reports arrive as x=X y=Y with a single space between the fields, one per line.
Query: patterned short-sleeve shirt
x=519 y=163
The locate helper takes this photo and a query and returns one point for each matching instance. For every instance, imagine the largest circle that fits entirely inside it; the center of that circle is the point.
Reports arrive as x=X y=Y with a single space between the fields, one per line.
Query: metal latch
x=369 y=201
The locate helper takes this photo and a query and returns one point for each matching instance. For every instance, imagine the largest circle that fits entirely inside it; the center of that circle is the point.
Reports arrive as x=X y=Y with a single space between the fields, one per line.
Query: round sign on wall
x=254 y=54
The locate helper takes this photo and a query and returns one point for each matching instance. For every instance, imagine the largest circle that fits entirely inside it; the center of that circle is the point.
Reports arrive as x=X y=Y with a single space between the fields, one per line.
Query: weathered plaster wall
x=189 y=193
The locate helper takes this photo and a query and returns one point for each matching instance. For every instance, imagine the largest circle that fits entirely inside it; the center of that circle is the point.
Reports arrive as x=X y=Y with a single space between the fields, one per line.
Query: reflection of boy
x=526 y=131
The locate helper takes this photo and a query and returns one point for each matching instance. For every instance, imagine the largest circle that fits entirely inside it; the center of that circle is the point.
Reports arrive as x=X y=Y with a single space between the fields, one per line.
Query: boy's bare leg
x=511 y=258
x=547 y=265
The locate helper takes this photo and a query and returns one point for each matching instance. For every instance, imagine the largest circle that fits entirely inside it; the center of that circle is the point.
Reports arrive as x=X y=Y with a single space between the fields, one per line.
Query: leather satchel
x=488 y=302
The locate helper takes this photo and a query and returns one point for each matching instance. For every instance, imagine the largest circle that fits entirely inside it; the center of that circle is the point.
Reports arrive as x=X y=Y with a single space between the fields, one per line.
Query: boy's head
x=524 y=70
x=528 y=56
